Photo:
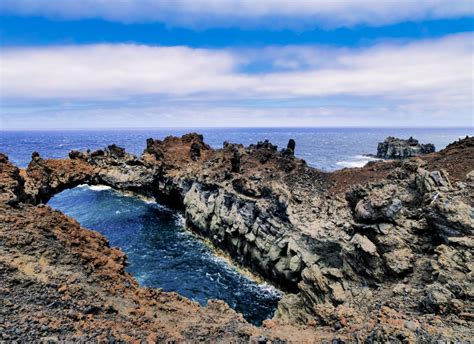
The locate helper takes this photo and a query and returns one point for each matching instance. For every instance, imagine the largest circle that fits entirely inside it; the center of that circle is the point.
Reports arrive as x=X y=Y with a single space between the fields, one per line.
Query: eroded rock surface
x=379 y=253
x=395 y=148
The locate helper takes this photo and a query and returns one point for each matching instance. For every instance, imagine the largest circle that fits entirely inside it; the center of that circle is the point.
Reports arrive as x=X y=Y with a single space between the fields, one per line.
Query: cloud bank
x=219 y=13
x=423 y=83
x=434 y=70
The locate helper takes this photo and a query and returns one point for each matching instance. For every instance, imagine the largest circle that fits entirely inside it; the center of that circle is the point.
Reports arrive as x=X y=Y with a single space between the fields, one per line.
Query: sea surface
x=161 y=252
x=325 y=148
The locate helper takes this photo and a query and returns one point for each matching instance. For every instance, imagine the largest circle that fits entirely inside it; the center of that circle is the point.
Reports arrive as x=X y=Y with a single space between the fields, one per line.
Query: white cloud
x=420 y=82
x=435 y=70
x=213 y=13
x=112 y=71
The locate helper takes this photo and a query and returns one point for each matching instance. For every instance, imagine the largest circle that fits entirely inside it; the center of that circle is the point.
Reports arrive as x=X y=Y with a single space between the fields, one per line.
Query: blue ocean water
x=162 y=253
x=325 y=148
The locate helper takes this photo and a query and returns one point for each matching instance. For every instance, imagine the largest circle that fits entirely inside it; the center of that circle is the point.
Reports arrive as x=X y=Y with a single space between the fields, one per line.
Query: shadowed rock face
x=394 y=148
x=380 y=253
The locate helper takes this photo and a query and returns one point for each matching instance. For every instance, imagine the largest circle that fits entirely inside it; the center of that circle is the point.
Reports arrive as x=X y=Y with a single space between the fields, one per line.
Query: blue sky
x=98 y=64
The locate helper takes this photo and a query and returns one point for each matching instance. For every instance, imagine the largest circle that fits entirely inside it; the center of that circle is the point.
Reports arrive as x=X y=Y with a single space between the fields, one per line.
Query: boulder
x=399 y=261
x=436 y=300
x=363 y=243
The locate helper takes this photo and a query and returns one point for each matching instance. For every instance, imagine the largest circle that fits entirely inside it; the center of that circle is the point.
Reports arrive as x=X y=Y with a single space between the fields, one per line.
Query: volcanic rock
x=195 y=151
x=340 y=244
x=395 y=148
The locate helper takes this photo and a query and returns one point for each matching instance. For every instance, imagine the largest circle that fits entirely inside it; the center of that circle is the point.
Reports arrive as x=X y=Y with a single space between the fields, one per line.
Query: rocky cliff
x=395 y=148
x=379 y=253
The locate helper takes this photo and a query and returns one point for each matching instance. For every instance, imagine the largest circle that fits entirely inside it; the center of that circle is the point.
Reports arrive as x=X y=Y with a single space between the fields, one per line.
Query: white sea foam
x=180 y=220
x=269 y=289
x=94 y=187
x=358 y=161
x=351 y=163
x=99 y=187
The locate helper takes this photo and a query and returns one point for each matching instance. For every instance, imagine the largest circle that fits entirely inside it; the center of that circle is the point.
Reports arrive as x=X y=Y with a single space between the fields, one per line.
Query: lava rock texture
x=381 y=253
x=394 y=148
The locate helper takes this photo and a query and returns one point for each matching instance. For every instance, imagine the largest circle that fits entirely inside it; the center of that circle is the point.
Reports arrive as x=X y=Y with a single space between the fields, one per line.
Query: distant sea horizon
x=326 y=148
x=232 y=127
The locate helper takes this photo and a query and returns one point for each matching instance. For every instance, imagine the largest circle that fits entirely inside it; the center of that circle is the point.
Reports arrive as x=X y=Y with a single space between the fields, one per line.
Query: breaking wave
x=357 y=161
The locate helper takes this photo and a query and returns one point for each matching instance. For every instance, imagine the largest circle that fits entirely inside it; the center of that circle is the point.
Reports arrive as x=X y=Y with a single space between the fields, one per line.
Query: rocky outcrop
x=395 y=148
x=60 y=282
x=379 y=253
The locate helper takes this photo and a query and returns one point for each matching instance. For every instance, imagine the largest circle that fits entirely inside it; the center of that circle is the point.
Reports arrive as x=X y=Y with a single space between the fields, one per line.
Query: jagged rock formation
x=395 y=148
x=60 y=282
x=379 y=253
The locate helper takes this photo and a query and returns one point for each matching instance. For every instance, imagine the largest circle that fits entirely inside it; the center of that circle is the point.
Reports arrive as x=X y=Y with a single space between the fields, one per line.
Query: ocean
x=162 y=253
x=324 y=148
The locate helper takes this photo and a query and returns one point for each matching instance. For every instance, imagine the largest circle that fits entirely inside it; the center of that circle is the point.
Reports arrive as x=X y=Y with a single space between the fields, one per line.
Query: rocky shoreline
x=379 y=253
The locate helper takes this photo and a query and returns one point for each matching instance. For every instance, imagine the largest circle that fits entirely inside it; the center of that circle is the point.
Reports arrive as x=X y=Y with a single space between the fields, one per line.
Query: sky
x=69 y=64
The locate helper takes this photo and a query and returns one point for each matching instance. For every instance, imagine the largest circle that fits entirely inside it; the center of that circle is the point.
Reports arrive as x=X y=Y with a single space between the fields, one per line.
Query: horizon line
x=232 y=127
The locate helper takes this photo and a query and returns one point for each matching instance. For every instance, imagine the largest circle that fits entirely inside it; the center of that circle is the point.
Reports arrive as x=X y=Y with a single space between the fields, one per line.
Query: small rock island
x=395 y=148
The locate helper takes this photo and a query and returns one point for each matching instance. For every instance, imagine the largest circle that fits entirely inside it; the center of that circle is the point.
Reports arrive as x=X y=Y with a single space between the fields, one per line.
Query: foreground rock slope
x=379 y=253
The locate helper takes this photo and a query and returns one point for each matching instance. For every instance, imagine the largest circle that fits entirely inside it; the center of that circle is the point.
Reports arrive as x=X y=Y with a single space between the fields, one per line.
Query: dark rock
x=149 y=143
x=155 y=148
x=264 y=145
x=97 y=153
x=235 y=160
x=35 y=156
x=75 y=154
x=91 y=309
x=265 y=157
x=187 y=138
x=290 y=148
x=291 y=145
x=116 y=151
x=195 y=151
x=437 y=301
x=395 y=148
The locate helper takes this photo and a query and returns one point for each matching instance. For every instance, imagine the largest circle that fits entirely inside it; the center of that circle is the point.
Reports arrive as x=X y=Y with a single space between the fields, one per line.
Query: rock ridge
x=379 y=253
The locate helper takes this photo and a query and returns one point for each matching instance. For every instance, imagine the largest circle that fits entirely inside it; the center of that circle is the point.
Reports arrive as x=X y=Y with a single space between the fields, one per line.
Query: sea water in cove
x=161 y=252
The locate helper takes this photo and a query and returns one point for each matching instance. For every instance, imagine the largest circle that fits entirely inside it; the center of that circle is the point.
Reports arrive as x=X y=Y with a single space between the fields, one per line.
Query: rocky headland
x=381 y=253
x=395 y=148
